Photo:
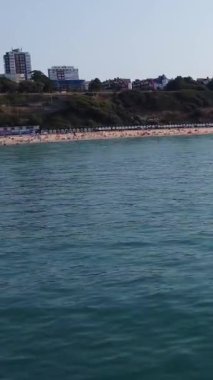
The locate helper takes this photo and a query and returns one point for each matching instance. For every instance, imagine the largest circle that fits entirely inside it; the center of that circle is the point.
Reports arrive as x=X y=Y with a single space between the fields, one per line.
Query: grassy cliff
x=124 y=108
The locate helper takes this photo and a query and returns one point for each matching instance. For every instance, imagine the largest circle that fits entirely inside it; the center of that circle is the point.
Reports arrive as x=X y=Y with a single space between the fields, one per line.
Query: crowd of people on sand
x=77 y=136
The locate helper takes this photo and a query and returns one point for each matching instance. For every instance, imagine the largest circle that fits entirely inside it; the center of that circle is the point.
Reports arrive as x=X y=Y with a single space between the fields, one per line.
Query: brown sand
x=52 y=138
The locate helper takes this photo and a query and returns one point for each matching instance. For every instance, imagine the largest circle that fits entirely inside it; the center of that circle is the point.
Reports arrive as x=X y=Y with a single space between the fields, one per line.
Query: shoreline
x=102 y=135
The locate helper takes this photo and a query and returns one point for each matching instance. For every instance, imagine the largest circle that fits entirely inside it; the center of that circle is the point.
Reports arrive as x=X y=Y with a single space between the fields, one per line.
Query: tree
x=39 y=77
x=95 y=85
x=6 y=85
x=210 y=85
x=183 y=83
x=30 y=86
x=176 y=84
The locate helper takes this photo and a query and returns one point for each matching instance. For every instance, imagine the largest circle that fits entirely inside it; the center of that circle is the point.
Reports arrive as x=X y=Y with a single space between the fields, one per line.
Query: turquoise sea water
x=106 y=260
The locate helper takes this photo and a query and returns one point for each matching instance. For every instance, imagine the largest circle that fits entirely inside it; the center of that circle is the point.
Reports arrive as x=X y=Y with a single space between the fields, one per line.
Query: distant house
x=117 y=84
x=136 y=84
x=203 y=81
x=143 y=85
x=150 y=84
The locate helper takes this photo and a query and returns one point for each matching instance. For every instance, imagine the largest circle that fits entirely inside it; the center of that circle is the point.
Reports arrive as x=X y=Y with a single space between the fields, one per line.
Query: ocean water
x=106 y=260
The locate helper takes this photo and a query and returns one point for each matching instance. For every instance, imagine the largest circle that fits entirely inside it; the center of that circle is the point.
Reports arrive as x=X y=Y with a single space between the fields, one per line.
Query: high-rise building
x=58 y=73
x=17 y=65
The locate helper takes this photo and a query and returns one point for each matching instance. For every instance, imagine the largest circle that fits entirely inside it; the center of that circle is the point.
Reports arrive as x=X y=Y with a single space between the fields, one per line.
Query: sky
x=111 y=38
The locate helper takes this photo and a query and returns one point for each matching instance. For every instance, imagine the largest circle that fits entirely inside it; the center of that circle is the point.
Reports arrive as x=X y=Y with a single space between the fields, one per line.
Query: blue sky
x=109 y=38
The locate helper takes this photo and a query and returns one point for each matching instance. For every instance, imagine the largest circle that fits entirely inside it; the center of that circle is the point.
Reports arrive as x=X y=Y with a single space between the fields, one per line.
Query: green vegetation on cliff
x=122 y=108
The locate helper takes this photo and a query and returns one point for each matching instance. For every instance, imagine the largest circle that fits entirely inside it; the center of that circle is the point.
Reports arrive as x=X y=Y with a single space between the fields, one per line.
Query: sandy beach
x=79 y=136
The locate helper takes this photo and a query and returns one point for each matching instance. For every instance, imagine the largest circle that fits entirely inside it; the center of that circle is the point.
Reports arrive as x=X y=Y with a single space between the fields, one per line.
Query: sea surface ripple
x=106 y=260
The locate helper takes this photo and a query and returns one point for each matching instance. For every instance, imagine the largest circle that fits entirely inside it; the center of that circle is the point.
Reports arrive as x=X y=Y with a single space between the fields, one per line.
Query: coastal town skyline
x=18 y=67
x=137 y=39
x=72 y=70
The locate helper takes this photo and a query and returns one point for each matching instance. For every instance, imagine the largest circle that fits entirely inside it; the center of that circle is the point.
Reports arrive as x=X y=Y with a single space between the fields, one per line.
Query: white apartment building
x=17 y=65
x=58 y=73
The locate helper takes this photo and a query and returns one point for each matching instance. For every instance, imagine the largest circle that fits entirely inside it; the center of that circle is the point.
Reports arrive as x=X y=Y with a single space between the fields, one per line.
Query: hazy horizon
x=105 y=39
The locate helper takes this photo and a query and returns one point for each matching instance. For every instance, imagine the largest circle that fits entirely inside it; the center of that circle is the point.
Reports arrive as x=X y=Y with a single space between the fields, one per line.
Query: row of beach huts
x=32 y=130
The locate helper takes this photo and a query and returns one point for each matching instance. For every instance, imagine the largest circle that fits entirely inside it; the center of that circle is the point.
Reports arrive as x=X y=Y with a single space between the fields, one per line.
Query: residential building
x=150 y=84
x=63 y=73
x=136 y=84
x=66 y=78
x=17 y=65
x=144 y=85
x=117 y=84
x=203 y=81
